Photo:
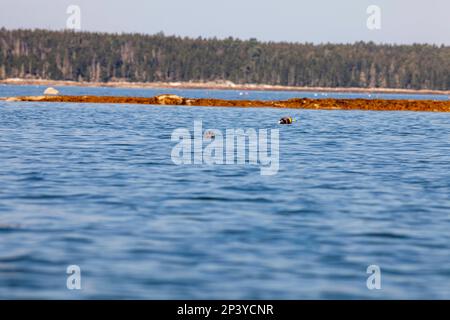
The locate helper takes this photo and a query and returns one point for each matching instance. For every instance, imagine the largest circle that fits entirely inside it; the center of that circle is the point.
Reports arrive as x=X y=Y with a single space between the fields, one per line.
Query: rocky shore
x=297 y=103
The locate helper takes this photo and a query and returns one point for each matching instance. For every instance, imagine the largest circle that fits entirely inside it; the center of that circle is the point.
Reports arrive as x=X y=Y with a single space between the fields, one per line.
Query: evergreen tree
x=83 y=56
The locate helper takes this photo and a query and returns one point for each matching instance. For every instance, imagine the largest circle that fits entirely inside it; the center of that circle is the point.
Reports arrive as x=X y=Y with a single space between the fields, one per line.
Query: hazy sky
x=402 y=21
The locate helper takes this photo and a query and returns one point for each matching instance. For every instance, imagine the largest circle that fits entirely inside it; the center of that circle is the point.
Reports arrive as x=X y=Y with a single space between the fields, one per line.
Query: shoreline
x=225 y=85
x=296 y=103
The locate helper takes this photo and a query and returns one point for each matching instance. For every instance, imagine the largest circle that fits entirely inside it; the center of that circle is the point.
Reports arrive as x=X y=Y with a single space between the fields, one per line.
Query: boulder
x=169 y=99
x=51 y=91
x=34 y=98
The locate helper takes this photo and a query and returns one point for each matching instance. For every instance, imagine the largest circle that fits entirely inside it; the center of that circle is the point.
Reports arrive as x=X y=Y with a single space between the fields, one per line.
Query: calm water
x=94 y=185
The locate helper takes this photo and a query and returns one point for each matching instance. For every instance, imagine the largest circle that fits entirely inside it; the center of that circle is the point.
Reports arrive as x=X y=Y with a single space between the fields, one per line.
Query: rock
x=51 y=91
x=25 y=98
x=34 y=98
x=169 y=99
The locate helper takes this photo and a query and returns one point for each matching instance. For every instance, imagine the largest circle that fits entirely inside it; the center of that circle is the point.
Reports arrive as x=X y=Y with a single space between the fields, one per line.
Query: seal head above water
x=286 y=120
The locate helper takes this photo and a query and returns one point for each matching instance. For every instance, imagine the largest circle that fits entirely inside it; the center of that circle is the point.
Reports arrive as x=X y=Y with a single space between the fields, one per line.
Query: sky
x=317 y=21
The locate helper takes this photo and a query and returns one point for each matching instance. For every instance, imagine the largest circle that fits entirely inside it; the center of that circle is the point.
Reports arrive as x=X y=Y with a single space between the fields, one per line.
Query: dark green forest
x=101 y=57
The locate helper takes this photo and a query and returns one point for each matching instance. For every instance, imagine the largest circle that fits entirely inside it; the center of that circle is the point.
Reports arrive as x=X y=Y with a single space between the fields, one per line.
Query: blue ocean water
x=94 y=185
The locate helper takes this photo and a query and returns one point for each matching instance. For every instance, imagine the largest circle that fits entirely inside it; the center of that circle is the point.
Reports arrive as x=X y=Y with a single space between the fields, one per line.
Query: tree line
x=103 y=57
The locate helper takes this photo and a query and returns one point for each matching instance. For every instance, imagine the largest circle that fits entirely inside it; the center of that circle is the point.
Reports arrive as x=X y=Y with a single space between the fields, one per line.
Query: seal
x=286 y=120
x=209 y=135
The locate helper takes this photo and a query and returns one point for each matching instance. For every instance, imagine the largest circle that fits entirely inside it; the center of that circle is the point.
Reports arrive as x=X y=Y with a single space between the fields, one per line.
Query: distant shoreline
x=225 y=85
